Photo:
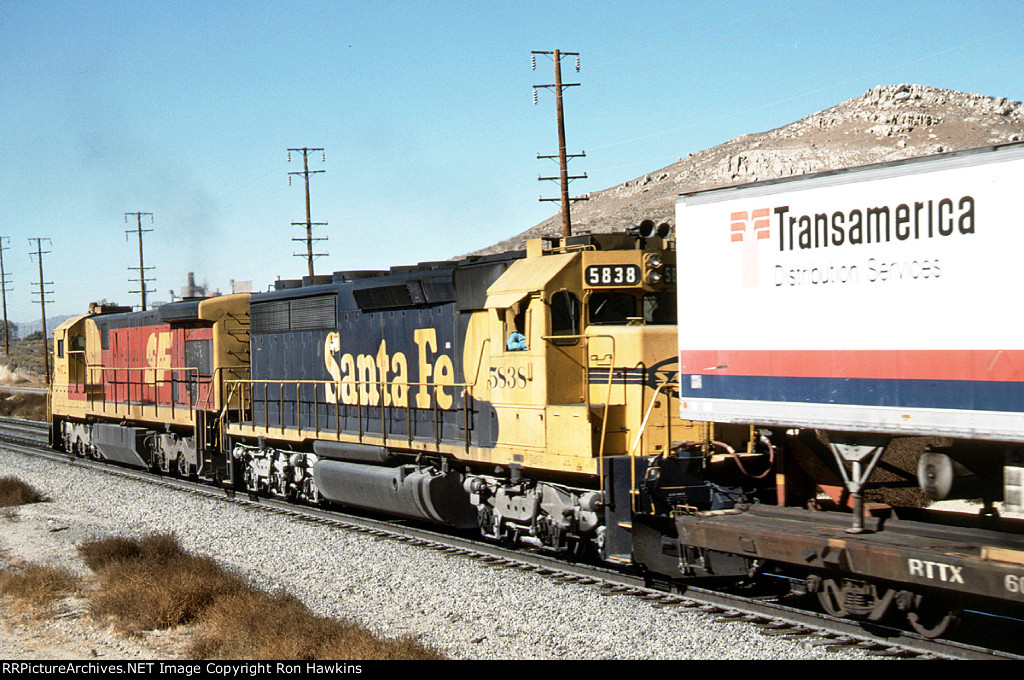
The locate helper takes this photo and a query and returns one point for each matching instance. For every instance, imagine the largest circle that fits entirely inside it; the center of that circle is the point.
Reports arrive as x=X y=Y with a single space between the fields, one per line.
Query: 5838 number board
x=612 y=275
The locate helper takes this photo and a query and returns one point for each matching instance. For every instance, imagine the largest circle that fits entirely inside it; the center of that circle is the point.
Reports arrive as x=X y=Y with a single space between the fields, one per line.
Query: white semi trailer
x=878 y=301
x=842 y=315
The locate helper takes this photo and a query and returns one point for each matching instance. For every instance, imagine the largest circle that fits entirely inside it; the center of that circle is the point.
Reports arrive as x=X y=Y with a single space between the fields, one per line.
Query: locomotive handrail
x=640 y=433
x=650 y=409
x=360 y=388
x=572 y=248
x=479 y=362
x=586 y=387
x=154 y=383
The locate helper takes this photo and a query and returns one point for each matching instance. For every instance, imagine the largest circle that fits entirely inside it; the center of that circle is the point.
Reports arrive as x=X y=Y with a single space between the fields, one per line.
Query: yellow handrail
x=586 y=388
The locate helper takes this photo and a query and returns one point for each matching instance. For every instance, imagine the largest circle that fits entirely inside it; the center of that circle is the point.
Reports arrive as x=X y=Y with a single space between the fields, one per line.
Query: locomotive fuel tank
x=405 y=491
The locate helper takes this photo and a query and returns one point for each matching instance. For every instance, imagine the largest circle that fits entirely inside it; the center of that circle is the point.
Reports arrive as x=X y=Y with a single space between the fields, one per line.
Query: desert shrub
x=153 y=583
x=13 y=492
x=286 y=629
x=154 y=548
x=38 y=584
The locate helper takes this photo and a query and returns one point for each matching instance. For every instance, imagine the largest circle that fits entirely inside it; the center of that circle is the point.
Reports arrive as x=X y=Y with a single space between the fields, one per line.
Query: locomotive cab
x=595 y=315
x=578 y=348
x=143 y=389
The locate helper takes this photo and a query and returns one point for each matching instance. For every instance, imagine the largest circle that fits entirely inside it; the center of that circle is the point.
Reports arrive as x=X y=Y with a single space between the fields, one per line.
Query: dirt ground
x=47 y=533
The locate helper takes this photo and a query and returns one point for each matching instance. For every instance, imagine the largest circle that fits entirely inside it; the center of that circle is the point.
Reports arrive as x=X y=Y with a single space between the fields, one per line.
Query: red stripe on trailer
x=979 y=365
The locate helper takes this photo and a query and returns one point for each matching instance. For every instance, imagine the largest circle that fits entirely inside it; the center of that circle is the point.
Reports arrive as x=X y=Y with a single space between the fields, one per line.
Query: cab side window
x=660 y=308
x=515 y=329
x=565 y=316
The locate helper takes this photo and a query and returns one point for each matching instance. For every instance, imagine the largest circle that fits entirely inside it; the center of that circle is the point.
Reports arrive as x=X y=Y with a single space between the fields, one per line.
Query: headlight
x=653 y=261
x=653 y=276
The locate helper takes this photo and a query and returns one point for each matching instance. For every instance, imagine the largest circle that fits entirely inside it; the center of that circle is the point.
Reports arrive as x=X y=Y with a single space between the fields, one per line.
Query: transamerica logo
x=795 y=232
x=907 y=221
x=750 y=228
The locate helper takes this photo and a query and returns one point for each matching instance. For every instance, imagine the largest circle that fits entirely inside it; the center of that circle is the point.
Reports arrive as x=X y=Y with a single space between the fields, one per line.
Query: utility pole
x=42 y=298
x=563 y=158
x=141 y=268
x=3 y=295
x=306 y=172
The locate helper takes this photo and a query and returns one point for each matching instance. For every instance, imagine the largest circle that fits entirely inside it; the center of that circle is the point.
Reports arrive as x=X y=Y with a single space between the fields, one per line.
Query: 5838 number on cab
x=612 y=275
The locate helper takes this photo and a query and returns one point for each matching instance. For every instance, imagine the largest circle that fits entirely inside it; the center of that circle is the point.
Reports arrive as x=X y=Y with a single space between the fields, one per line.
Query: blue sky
x=186 y=110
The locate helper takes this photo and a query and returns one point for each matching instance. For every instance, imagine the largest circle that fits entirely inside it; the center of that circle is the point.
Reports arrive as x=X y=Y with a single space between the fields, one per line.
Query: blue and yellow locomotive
x=525 y=393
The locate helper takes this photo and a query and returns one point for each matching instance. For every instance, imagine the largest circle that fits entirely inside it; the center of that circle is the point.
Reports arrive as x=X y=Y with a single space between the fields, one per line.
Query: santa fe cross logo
x=750 y=228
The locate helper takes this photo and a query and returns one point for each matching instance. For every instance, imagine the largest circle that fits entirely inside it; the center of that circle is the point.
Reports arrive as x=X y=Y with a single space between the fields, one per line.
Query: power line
x=720 y=42
x=691 y=36
x=43 y=292
x=306 y=172
x=658 y=28
x=563 y=157
x=141 y=268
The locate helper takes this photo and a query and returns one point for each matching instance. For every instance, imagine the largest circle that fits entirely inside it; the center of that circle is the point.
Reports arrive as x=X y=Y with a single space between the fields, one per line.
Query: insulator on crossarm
x=535 y=96
x=533 y=62
x=323 y=156
x=577 y=64
x=289 y=154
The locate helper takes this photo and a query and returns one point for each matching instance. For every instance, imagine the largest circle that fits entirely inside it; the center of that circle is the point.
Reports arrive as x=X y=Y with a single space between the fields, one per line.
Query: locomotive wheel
x=932 y=618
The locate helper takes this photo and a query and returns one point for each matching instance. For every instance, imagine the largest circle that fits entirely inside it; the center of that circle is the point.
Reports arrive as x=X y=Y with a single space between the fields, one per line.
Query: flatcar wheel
x=932 y=619
x=830 y=596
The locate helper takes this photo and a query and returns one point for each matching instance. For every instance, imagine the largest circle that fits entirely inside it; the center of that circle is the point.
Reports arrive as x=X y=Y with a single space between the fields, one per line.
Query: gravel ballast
x=466 y=609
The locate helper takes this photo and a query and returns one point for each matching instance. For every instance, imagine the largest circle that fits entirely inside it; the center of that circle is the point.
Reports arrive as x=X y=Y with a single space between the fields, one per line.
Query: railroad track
x=773 y=617
x=16 y=430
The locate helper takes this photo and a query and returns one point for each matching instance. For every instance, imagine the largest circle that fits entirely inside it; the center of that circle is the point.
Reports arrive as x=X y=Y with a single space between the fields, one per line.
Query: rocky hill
x=886 y=123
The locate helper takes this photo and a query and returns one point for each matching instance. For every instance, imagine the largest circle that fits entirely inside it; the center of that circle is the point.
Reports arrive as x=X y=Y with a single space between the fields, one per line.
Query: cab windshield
x=660 y=308
x=617 y=309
